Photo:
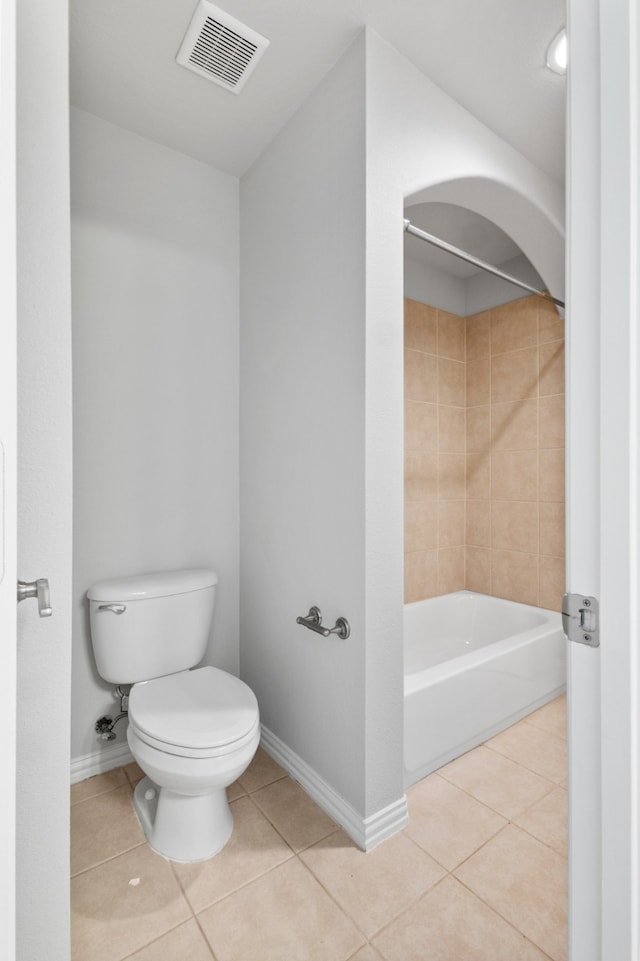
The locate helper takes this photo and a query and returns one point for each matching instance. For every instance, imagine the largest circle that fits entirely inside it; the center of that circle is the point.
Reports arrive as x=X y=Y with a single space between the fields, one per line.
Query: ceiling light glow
x=557 y=53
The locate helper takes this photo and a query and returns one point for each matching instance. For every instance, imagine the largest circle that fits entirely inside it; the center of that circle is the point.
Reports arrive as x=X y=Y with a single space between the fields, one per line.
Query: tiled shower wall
x=484 y=452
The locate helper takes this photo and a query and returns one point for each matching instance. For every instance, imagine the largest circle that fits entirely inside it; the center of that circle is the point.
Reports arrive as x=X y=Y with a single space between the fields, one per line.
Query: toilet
x=192 y=730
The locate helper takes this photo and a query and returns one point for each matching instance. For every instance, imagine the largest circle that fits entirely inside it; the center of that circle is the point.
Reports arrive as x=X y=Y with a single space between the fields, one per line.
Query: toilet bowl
x=192 y=730
x=193 y=734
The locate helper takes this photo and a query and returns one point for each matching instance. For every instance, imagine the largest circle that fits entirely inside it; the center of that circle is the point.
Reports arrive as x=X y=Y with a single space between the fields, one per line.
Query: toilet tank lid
x=160 y=584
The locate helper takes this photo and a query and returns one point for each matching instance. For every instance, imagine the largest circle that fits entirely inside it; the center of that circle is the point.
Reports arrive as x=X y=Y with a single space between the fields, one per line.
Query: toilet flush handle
x=114 y=608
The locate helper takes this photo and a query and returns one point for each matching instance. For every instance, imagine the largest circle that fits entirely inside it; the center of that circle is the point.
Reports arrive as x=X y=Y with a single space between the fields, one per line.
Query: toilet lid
x=205 y=708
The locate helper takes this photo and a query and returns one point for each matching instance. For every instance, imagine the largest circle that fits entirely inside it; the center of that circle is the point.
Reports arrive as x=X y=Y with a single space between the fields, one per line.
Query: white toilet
x=193 y=732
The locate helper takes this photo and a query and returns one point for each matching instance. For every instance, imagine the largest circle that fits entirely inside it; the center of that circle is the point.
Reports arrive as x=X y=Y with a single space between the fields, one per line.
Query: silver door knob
x=38 y=589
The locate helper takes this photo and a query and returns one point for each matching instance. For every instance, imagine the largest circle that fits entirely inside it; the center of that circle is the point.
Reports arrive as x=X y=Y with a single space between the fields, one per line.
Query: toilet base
x=183 y=827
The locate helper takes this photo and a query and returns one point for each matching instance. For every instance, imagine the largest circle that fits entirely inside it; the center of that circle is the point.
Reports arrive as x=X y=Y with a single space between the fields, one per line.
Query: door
x=44 y=518
x=603 y=495
x=7 y=473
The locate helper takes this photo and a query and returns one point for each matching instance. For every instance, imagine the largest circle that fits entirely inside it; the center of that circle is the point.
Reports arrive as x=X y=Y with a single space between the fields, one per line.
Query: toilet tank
x=152 y=624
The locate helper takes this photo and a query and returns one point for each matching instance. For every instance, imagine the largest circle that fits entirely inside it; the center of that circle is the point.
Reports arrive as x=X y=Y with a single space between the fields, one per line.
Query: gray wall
x=155 y=247
x=302 y=428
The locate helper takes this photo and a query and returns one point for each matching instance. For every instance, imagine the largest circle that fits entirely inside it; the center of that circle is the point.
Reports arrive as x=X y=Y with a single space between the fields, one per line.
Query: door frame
x=602 y=485
x=8 y=470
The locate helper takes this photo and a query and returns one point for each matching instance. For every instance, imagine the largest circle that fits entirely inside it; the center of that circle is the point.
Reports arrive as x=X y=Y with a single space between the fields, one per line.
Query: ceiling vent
x=220 y=48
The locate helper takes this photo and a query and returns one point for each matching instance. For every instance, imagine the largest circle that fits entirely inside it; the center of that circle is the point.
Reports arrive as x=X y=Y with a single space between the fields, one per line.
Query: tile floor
x=478 y=874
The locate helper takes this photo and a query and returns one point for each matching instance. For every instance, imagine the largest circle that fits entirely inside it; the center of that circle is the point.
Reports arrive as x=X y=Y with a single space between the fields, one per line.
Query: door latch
x=581 y=619
x=38 y=589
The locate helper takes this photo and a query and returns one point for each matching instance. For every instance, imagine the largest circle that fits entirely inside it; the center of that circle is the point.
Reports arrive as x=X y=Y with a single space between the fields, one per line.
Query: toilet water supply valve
x=104 y=725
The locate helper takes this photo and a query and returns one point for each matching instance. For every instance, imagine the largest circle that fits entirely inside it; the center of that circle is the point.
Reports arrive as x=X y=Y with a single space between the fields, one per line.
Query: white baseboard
x=104 y=759
x=365 y=832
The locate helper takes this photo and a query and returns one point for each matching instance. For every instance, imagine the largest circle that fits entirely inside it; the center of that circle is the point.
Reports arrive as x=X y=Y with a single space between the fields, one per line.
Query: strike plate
x=581 y=619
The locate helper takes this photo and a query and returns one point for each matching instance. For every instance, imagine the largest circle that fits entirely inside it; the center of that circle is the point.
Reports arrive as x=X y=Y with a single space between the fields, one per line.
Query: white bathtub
x=473 y=665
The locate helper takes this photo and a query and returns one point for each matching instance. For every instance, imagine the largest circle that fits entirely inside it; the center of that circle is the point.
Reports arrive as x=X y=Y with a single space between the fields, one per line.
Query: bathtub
x=473 y=664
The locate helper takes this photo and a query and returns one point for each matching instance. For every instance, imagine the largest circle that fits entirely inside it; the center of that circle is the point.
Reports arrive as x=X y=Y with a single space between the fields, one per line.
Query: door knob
x=38 y=589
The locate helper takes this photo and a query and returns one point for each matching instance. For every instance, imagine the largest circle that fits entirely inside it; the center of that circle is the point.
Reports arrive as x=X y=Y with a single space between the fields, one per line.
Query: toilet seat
x=202 y=713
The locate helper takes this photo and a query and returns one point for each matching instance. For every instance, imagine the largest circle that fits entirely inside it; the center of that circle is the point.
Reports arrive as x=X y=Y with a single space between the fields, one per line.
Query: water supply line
x=104 y=725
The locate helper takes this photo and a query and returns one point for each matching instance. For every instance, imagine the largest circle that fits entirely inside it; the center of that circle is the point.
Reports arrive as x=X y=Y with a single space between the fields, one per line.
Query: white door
x=603 y=494
x=44 y=517
x=7 y=474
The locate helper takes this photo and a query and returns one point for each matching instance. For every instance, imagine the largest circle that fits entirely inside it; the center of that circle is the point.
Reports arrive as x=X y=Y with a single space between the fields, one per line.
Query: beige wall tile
x=514 y=475
x=452 y=429
x=451 y=476
x=420 y=426
x=551 y=473
x=514 y=526
x=514 y=576
x=514 y=426
x=478 y=569
x=551 y=359
x=451 y=530
x=451 y=382
x=552 y=415
x=450 y=570
x=478 y=382
x=420 y=575
x=550 y=323
x=421 y=475
x=478 y=523
x=420 y=326
x=451 y=336
x=552 y=529
x=479 y=476
x=552 y=582
x=514 y=376
x=420 y=525
x=514 y=325
x=478 y=421
x=420 y=376
x=479 y=335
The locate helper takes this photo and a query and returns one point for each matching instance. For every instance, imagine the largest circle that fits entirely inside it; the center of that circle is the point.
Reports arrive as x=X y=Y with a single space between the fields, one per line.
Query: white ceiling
x=487 y=54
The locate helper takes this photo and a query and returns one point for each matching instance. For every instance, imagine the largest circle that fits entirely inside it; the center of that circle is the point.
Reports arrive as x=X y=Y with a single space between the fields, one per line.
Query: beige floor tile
x=284 y=916
x=451 y=924
x=262 y=770
x=496 y=781
x=525 y=882
x=99 y=784
x=235 y=790
x=368 y=953
x=449 y=824
x=103 y=827
x=122 y=905
x=134 y=773
x=551 y=717
x=185 y=943
x=547 y=820
x=254 y=848
x=538 y=750
x=293 y=813
x=372 y=888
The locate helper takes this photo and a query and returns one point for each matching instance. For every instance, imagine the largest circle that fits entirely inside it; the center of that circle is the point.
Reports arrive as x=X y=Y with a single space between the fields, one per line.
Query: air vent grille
x=220 y=48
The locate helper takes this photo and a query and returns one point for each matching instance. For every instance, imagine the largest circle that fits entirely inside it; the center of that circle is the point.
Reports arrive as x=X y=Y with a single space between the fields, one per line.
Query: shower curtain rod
x=470 y=259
